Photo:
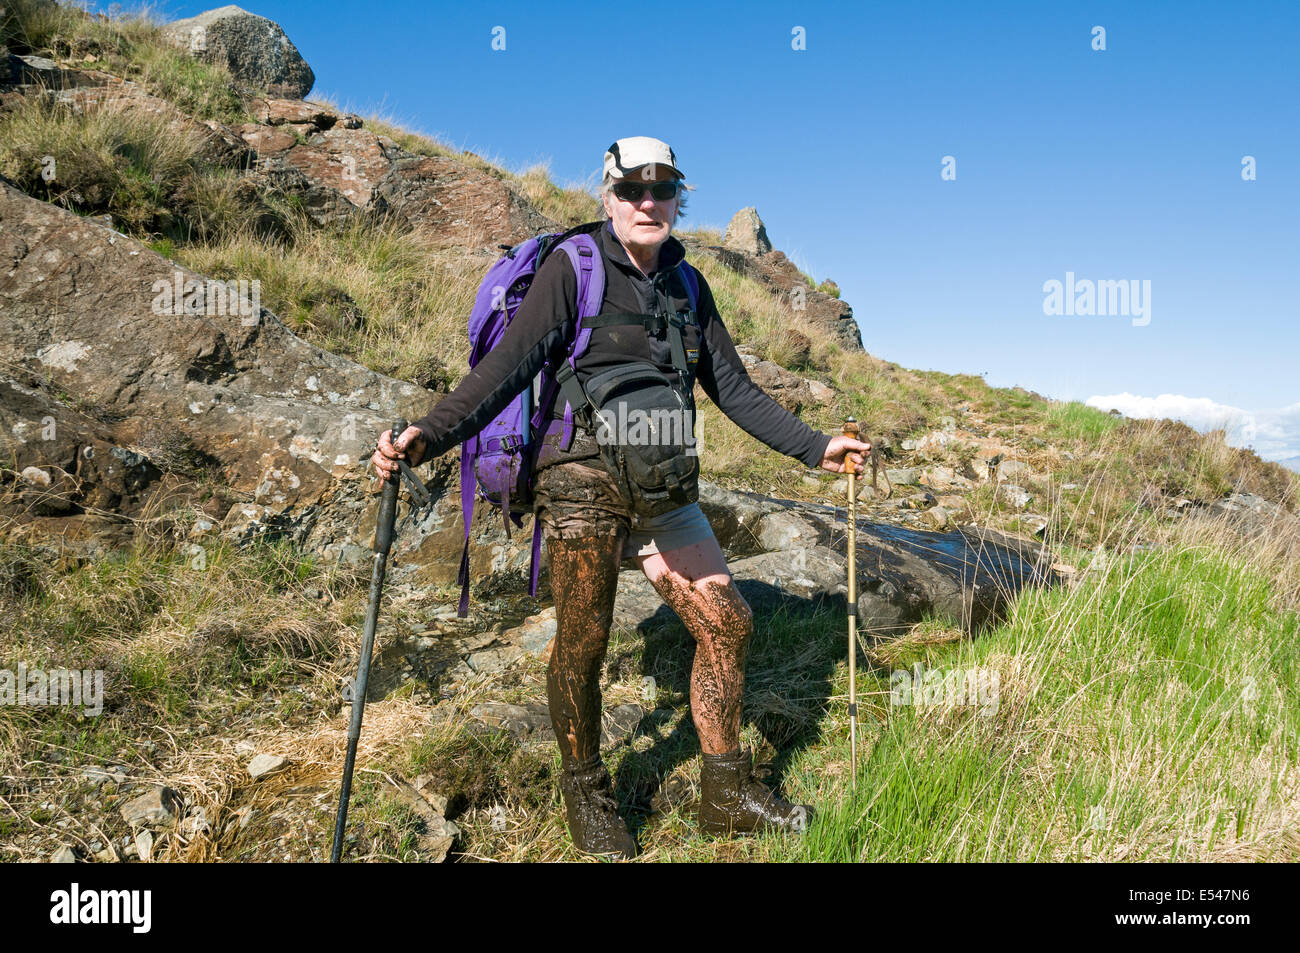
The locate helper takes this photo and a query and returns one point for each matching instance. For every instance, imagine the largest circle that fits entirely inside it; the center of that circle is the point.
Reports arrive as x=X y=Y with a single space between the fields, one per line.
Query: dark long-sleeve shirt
x=544 y=324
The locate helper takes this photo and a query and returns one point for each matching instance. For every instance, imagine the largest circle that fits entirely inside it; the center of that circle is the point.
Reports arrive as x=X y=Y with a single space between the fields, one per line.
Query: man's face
x=647 y=222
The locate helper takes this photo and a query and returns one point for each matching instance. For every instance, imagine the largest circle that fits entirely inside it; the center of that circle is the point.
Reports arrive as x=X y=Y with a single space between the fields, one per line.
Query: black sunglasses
x=633 y=191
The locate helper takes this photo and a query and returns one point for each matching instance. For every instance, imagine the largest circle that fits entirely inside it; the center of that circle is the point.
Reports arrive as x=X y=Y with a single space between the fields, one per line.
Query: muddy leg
x=584 y=577
x=721 y=622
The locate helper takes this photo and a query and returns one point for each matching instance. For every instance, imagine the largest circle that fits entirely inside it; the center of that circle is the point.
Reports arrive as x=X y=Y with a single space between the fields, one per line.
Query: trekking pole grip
x=388 y=501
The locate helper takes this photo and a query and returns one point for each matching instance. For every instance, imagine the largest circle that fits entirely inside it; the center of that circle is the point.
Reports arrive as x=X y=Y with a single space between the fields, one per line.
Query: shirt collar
x=671 y=252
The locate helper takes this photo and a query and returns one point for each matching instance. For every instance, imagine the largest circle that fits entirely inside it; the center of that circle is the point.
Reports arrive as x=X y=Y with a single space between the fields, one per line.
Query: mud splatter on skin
x=584 y=578
x=721 y=622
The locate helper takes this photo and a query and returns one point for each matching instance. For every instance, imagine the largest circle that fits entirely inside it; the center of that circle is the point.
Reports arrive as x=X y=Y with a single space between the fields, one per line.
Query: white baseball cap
x=625 y=156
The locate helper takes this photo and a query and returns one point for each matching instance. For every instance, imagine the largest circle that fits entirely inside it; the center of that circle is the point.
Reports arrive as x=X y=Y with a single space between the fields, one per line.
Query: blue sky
x=1122 y=164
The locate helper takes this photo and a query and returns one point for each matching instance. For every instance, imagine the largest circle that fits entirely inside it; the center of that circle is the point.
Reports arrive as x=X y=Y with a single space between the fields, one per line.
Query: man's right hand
x=410 y=447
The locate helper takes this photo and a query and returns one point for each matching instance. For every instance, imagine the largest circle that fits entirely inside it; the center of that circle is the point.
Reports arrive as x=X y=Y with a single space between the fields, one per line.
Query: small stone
x=156 y=809
x=104 y=775
x=906 y=476
x=1013 y=495
x=495 y=660
x=264 y=764
x=937 y=517
x=517 y=720
x=619 y=724
x=144 y=845
x=64 y=855
x=34 y=476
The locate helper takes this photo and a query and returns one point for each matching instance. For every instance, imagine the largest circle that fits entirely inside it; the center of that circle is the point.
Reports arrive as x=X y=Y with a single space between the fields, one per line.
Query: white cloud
x=1273 y=434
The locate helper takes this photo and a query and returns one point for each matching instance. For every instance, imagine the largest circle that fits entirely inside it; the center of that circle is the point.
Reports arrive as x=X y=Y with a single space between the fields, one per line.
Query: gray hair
x=607 y=184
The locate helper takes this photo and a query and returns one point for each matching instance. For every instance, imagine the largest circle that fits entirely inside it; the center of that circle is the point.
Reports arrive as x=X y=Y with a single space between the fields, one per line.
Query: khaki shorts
x=573 y=500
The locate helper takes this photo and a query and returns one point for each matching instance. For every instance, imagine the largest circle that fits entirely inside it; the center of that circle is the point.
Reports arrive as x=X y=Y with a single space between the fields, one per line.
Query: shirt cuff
x=813 y=457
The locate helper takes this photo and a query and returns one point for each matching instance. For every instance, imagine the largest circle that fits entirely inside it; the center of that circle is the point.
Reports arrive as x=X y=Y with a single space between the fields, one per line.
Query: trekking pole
x=383 y=543
x=851 y=430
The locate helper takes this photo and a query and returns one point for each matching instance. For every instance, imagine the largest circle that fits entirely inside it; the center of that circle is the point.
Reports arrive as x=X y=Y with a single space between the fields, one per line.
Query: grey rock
x=906 y=476
x=782 y=530
x=45 y=73
x=157 y=809
x=618 y=724
x=747 y=234
x=936 y=517
x=254 y=49
x=284 y=421
x=1013 y=495
x=966 y=574
x=264 y=764
x=534 y=633
x=144 y=845
x=495 y=660
x=519 y=721
x=734 y=517
x=439 y=834
x=104 y=775
x=64 y=855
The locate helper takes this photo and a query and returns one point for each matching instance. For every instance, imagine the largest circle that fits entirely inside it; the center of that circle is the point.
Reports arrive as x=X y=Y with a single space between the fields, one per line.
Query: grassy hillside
x=1146 y=711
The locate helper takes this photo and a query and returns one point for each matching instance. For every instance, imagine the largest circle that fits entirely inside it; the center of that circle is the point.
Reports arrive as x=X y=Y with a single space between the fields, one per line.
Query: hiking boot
x=733 y=801
x=592 y=811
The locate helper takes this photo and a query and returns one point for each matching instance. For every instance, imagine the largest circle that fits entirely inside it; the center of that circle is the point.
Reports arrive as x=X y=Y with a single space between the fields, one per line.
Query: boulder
x=255 y=50
x=810 y=307
x=785 y=387
x=747 y=234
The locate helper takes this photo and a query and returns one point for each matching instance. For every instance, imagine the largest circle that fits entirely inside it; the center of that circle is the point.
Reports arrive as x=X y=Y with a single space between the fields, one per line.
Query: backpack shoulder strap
x=589 y=267
x=692 y=280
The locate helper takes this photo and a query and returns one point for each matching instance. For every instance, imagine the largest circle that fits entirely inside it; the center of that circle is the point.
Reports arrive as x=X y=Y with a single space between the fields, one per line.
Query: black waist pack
x=644 y=427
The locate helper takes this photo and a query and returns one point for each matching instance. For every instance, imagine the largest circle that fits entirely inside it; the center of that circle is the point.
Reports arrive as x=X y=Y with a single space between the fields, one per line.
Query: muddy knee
x=710 y=607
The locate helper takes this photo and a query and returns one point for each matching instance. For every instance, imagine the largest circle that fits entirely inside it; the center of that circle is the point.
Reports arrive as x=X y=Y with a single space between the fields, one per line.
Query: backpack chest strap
x=655 y=324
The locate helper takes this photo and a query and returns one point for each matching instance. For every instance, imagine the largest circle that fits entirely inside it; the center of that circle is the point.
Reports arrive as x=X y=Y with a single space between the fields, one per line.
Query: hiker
x=587 y=517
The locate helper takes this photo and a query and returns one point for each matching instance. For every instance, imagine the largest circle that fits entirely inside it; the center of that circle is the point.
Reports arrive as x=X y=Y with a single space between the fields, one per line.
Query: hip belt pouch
x=645 y=430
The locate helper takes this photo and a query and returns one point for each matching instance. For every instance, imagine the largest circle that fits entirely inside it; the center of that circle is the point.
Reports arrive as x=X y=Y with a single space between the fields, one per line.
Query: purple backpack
x=501 y=459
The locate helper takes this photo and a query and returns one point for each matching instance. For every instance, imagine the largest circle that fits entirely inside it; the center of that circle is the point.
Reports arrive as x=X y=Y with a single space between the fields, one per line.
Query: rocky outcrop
x=255 y=50
x=745 y=248
x=747 y=234
x=122 y=367
x=461 y=204
x=340 y=170
x=783 y=551
x=785 y=387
